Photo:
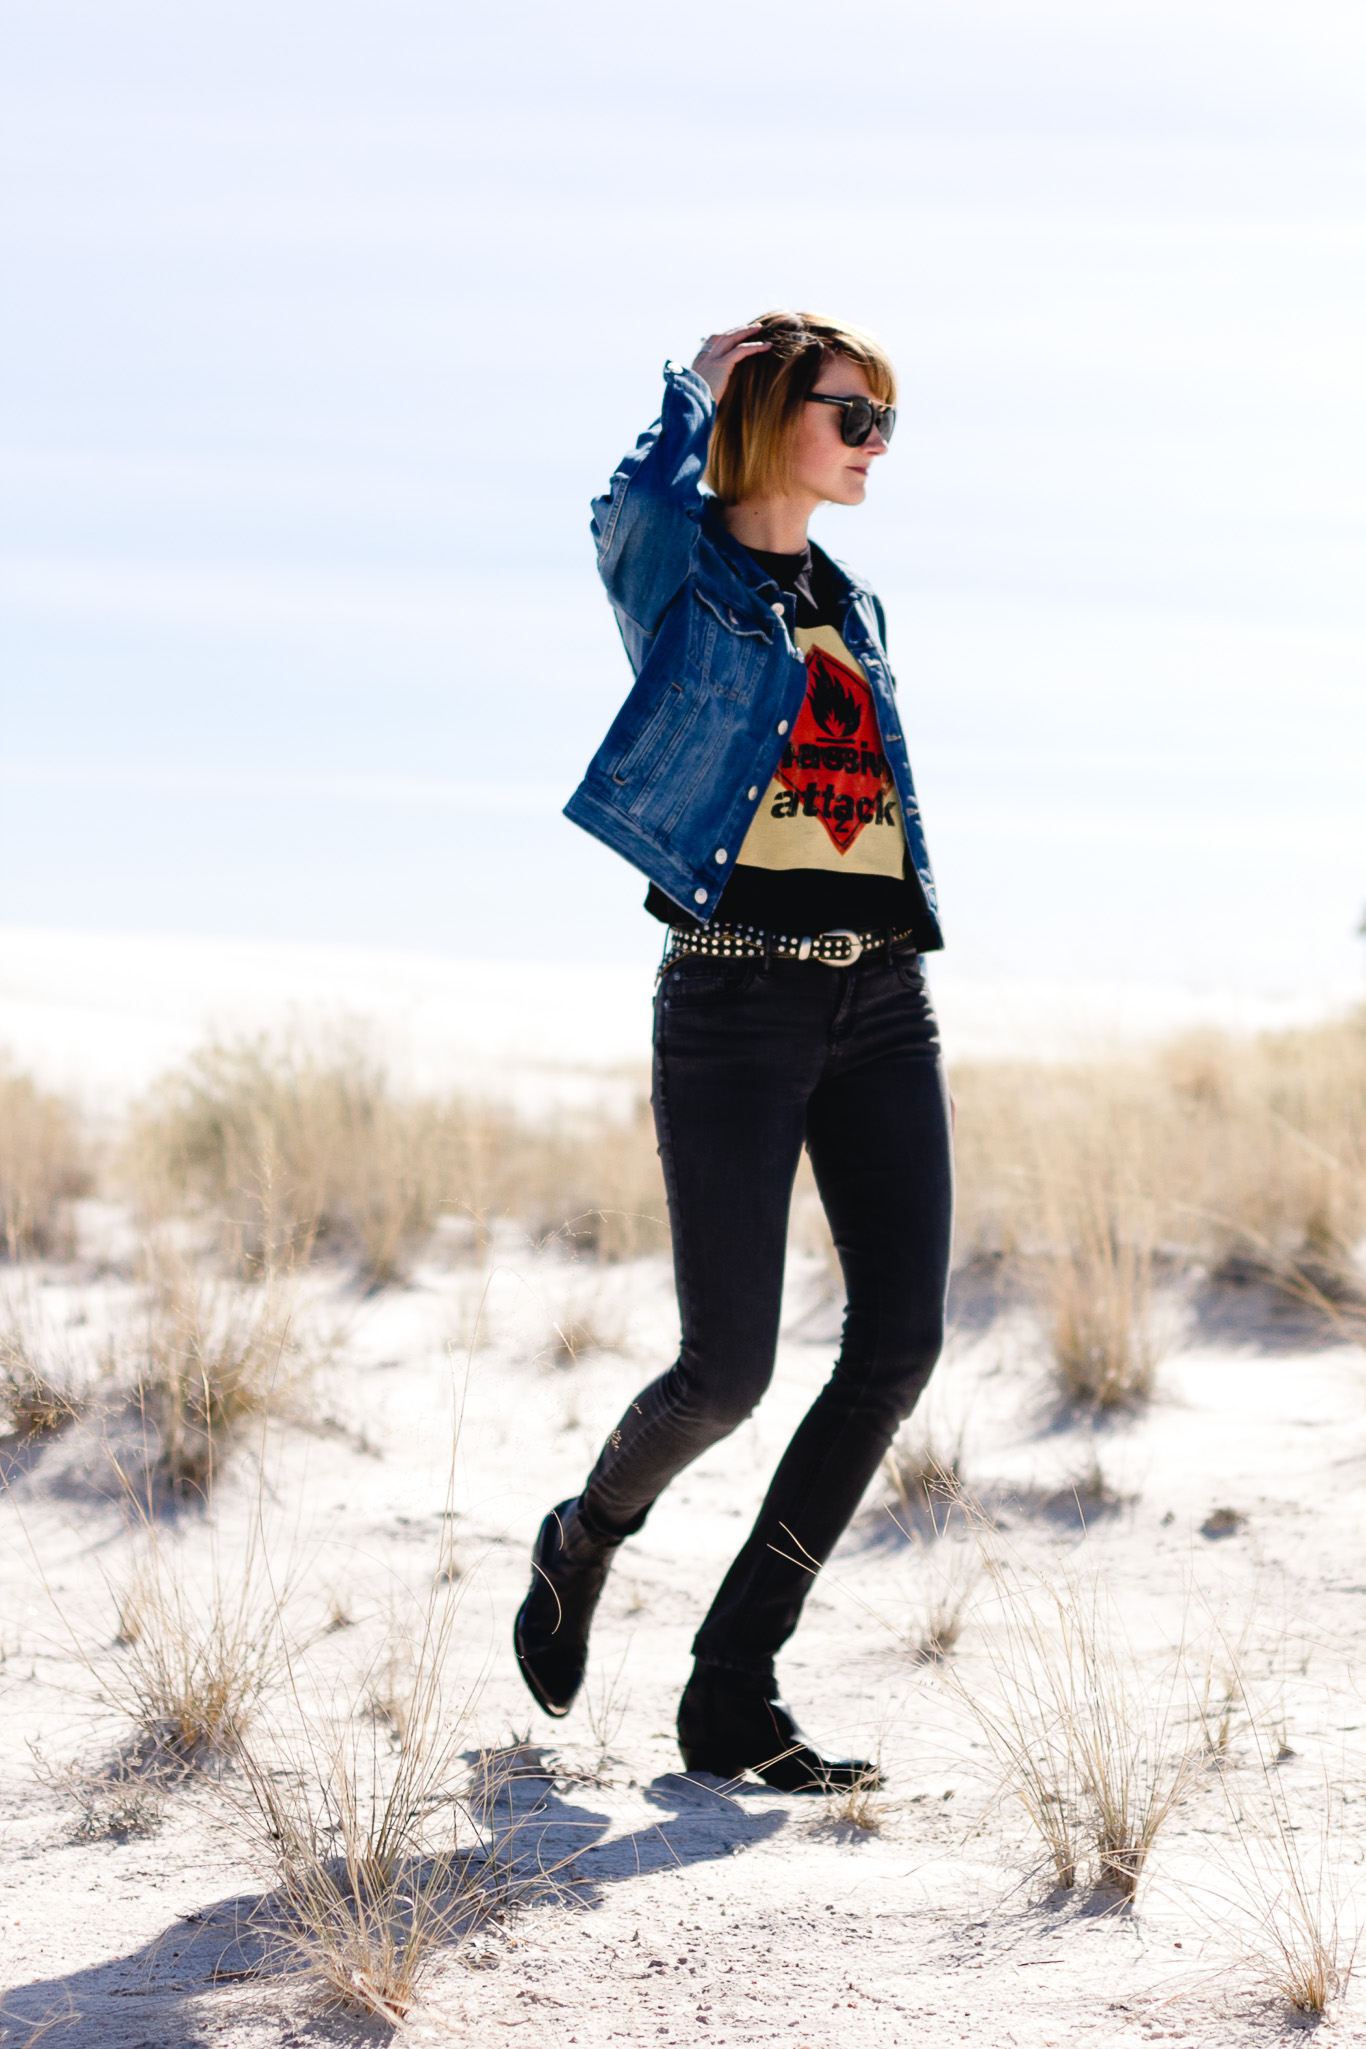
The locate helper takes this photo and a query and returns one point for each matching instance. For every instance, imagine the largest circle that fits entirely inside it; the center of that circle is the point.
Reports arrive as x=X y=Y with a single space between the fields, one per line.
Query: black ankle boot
x=728 y=1725
x=569 y=1564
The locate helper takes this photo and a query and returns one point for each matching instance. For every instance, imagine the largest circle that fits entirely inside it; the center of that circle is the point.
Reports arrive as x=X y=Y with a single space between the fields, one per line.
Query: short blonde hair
x=751 y=441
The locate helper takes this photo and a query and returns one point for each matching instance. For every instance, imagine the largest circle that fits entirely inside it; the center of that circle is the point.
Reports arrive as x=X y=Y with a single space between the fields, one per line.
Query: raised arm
x=645 y=527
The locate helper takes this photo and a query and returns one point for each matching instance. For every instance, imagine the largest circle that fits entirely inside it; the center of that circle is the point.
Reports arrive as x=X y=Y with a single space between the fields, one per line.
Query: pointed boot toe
x=729 y=1725
x=569 y=1565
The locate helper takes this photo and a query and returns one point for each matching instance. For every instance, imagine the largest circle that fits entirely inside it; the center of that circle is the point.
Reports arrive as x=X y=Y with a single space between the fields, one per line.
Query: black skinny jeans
x=750 y=1061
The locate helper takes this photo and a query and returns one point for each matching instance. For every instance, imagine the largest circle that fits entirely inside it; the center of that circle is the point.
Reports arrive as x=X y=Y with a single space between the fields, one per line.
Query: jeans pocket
x=910 y=972
x=695 y=981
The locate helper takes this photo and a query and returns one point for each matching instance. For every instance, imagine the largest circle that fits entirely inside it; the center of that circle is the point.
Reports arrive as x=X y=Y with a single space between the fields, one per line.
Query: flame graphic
x=835 y=708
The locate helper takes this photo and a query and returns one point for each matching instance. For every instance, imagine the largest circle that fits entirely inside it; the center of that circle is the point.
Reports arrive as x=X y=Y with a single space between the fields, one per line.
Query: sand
x=679 y=1911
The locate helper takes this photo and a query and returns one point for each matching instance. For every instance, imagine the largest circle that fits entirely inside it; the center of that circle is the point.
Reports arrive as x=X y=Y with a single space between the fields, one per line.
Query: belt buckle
x=855 y=949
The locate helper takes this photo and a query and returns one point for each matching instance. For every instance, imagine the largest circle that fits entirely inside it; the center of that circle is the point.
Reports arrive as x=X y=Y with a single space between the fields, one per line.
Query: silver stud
x=782 y=725
x=699 y=896
x=754 y=793
x=721 y=857
x=777 y=606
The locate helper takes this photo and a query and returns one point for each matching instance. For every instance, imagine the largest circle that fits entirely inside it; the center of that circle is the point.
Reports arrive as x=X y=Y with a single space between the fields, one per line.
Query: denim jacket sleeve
x=646 y=528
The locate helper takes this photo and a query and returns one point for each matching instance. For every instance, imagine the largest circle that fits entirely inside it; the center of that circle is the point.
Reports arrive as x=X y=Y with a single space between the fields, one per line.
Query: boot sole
x=838 y=1779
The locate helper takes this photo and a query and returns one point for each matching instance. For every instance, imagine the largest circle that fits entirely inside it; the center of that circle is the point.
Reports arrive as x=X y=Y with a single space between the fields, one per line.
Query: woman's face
x=821 y=463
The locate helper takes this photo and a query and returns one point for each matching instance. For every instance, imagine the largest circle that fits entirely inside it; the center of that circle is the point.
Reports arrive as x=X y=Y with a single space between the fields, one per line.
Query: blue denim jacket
x=719 y=678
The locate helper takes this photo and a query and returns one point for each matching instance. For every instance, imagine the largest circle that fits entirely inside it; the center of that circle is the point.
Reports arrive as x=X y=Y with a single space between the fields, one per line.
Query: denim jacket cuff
x=676 y=374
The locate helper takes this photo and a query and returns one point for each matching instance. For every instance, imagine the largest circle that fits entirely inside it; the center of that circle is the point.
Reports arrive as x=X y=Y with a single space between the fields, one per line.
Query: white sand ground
x=680 y=1914
x=677 y=1913
x=101 y=1014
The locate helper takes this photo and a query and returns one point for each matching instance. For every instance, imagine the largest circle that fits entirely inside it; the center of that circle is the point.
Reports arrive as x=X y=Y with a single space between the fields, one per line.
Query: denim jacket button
x=699 y=896
x=782 y=725
x=721 y=857
x=754 y=791
x=778 y=609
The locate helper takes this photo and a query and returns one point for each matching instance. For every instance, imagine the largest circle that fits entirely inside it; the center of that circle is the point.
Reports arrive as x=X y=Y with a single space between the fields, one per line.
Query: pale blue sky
x=324 y=322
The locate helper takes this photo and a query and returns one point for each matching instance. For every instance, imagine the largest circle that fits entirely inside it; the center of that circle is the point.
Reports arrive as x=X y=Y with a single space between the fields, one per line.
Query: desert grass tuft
x=199 y=1640
x=584 y=1320
x=290 y=1142
x=1244 y=1157
x=1220 y=1703
x=206 y=1356
x=924 y=1477
x=358 y=1811
x=45 y=1378
x=114 y=1801
x=1291 y=1921
x=295 y=1144
x=576 y=1338
x=1093 y=1278
x=46 y=1160
x=1086 y=1496
x=606 y=1702
x=32 y=1399
x=949 y=1577
x=1093 y=1744
x=858 y=1806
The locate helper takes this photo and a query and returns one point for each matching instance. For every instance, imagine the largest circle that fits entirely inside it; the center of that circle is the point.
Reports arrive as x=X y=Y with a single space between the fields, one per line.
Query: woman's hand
x=720 y=353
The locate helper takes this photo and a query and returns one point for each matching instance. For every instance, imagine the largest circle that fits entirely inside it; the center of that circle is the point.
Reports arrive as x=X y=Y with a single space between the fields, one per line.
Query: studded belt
x=837 y=949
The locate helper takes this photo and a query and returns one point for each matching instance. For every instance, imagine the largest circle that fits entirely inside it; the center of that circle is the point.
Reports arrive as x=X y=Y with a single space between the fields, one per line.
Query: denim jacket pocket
x=655 y=745
x=730 y=648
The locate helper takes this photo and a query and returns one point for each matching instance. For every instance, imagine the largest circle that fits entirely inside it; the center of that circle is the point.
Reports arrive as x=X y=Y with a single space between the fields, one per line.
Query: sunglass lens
x=858 y=422
x=886 y=422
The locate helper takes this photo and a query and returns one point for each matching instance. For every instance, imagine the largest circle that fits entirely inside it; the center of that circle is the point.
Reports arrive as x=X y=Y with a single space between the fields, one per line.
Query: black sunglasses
x=861 y=415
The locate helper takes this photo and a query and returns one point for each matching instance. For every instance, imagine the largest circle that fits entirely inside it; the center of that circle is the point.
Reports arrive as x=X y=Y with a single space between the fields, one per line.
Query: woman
x=758 y=775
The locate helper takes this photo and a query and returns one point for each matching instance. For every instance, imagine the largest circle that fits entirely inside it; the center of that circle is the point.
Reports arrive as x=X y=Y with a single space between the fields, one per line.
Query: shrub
x=44 y=1163
x=292 y=1146
x=207 y=1356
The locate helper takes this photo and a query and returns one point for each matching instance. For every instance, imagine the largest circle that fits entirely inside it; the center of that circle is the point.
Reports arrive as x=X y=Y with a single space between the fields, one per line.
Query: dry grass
x=46 y=1160
x=292 y=1145
x=51 y=1356
x=205 y=1357
x=858 y=1806
x=1212 y=1152
x=606 y=1701
x=200 y=1638
x=359 y=1815
x=1096 y=1747
x=1088 y=1493
x=1304 y=1950
x=1289 y=1919
x=113 y=1801
x=1091 y=1179
x=42 y=1387
x=584 y=1319
x=924 y=1476
x=949 y=1577
x=1095 y=1290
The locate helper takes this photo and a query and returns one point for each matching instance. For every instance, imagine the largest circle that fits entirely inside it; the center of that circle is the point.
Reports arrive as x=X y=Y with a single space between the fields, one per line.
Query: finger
x=737 y=350
x=728 y=337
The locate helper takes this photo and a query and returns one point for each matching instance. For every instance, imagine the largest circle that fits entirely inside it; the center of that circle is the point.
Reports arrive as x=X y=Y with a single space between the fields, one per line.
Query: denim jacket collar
x=751 y=578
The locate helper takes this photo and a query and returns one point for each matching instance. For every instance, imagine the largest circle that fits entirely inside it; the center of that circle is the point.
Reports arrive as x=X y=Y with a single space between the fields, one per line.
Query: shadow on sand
x=224 y=1967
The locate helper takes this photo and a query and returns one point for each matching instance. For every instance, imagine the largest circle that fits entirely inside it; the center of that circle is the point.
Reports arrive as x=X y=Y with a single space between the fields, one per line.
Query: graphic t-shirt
x=832 y=804
x=826 y=848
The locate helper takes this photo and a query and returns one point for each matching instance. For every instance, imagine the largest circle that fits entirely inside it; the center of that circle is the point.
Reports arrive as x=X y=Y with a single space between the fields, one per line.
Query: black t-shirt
x=797 y=900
